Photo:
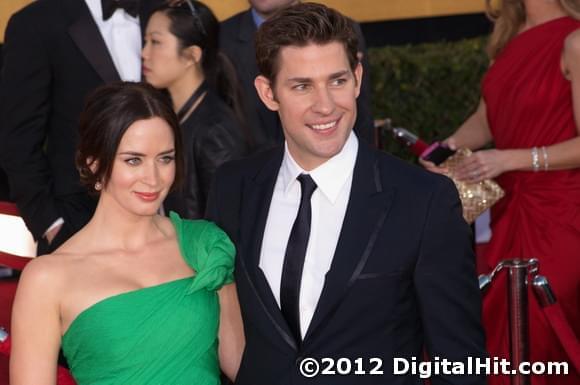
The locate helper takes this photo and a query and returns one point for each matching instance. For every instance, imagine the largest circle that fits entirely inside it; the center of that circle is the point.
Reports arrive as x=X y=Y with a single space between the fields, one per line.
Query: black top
x=211 y=136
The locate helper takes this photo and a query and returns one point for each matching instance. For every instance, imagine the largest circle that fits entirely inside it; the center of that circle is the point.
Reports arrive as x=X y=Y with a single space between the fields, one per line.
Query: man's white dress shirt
x=329 y=201
x=122 y=35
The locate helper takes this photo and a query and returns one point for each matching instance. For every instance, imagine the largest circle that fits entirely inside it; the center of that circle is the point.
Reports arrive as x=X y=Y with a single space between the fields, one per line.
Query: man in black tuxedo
x=237 y=42
x=55 y=53
x=346 y=255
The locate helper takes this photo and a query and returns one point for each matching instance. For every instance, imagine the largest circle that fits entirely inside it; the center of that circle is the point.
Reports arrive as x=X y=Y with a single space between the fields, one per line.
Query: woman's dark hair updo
x=109 y=111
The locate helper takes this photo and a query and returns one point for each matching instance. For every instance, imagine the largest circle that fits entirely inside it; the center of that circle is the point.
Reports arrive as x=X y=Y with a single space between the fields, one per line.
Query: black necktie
x=110 y=6
x=294 y=258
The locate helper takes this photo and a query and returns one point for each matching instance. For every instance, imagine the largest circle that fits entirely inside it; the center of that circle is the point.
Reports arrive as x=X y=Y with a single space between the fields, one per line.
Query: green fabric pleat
x=164 y=334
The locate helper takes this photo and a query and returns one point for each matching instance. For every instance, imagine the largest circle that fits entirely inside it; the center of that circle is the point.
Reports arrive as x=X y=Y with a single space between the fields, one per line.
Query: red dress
x=529 y=103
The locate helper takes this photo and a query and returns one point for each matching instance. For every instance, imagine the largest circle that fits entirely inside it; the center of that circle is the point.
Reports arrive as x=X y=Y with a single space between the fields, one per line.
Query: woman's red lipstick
x=148 y=197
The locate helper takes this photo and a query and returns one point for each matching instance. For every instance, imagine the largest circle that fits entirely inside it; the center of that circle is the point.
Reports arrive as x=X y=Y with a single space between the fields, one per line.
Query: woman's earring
x=98 y=186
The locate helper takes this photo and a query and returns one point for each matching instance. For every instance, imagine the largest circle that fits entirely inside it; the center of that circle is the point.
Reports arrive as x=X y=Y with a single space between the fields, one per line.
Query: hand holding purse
x=475 y=197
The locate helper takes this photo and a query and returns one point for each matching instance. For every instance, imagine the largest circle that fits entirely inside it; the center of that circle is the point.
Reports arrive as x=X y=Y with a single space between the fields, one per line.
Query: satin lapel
x=256 y=198
x=86 y=35
x=367 y=210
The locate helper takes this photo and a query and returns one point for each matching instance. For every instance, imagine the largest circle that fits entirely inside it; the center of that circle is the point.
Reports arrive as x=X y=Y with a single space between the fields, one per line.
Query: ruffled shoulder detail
x=207 y=250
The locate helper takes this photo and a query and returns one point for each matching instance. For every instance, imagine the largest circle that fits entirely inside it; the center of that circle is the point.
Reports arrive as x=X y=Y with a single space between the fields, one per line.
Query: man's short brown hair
x=300 y=25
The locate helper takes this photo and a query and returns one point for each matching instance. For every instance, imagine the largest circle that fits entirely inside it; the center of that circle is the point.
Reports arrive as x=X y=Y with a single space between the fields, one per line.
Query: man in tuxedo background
x=237 y=41
x=55 y=53
x=342 y=251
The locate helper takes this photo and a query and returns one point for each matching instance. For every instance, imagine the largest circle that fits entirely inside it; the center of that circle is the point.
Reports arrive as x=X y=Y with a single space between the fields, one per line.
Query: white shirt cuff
x=58 y=222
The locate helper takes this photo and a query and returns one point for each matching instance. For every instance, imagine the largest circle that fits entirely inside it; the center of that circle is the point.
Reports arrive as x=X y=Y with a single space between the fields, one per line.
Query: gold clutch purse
x=475 y=197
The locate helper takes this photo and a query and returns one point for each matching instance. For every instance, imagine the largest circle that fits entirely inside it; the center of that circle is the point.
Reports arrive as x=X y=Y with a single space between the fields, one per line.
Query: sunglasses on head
x=194 y=13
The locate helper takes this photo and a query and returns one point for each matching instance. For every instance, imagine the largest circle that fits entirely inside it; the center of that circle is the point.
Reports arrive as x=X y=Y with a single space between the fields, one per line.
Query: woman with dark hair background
x=181 y=55
x=133 y=297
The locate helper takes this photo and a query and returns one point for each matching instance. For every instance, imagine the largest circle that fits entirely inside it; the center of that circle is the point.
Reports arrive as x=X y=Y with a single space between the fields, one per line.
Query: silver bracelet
x=545 y=154
x=535 y=159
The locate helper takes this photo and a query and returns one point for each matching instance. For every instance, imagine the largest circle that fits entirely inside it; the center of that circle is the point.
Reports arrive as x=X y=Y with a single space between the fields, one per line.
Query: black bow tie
x=109 y=7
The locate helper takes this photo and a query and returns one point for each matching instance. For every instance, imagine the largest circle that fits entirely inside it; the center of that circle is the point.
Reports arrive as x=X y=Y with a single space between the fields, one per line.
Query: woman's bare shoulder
x=48 y=271
x=571 y=55
x=54 y=270
x=572 y=44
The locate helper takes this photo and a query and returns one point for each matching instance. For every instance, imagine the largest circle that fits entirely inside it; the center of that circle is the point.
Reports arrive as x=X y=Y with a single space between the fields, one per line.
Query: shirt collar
x=258 y=20
x=96 y=10
x=330 y=176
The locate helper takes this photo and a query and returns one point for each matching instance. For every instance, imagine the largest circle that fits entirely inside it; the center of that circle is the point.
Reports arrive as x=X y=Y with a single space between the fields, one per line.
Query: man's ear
x=266 y=93
x=358 y=72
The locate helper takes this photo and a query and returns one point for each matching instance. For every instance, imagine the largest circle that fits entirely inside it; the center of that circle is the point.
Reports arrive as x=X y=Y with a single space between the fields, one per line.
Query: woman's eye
x=167 y=159
x=133 y=161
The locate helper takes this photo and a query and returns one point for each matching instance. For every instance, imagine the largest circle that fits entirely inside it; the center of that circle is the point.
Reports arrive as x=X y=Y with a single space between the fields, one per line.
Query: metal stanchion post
x=518 y=317
x=518 y=272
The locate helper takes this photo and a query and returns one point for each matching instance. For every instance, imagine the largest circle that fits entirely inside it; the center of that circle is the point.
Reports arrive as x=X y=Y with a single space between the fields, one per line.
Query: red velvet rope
x=9 y=208
x=564 y=332
x=13 y=261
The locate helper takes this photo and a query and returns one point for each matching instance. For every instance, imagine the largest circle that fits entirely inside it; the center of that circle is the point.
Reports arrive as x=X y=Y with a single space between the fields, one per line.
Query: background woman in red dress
x=530 y=110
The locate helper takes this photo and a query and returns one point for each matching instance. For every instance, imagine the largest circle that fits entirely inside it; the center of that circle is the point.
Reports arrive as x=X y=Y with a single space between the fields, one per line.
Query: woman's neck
x=182 y=90
x=113 y=227
x=542 y=11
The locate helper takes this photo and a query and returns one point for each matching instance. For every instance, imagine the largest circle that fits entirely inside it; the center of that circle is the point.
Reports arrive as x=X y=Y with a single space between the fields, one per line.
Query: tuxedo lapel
x=256 y=197
x=366 y=212
x=85 y=33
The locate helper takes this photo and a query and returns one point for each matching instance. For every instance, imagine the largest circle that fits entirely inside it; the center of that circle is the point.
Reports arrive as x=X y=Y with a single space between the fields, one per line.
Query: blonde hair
x=509 y=17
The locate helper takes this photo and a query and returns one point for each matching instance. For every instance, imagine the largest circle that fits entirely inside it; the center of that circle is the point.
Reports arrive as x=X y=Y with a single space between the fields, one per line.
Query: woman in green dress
x=134 y=297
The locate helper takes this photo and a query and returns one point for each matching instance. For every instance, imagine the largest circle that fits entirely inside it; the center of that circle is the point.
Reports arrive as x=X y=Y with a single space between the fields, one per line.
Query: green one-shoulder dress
x=164 y=334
